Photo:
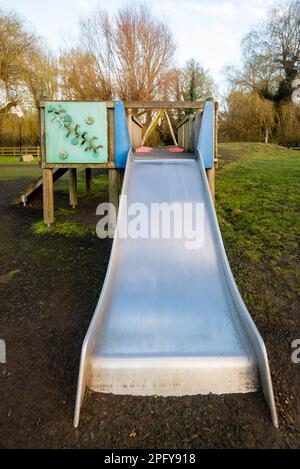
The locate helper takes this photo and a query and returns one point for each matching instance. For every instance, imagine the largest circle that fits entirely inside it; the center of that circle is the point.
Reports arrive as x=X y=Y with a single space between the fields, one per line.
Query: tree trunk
x=267 y=136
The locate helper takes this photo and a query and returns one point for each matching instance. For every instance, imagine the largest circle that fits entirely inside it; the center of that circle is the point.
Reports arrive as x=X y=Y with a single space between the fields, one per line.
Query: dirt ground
x=49 y=287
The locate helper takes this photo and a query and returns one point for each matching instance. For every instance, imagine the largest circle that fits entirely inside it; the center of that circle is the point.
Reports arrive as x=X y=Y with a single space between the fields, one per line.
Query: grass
x=257 y=202
x=28 y=174
x=16 y=160
x=28 y=171
x=5 y=278
x=258 y=196
x=67 y=229
x=65 y=225
x=100 y=185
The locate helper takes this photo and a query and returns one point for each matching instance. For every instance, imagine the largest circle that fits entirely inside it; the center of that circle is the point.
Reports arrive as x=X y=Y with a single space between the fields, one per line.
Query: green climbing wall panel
x=76 y=132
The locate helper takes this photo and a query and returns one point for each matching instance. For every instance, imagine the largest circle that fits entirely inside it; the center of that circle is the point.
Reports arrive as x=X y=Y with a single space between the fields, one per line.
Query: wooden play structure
x=88 y=135
x=170 y=320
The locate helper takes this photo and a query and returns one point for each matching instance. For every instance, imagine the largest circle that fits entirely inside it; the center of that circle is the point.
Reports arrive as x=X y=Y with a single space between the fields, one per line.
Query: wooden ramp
x=36 y=187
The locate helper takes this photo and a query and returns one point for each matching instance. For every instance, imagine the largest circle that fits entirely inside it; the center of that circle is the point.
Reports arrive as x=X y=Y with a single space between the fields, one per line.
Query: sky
x=208 y=30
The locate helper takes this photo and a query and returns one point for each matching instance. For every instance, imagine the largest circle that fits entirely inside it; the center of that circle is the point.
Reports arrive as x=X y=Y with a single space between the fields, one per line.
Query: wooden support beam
x=113 y=194
x=130 y=124
x=79 y=165
x=211 y=172
x=197 y=127
x=111 y=135
x=113 y=187
x=48 y=197
x=216 y=136
x=164 y=105
x=42 y=134
x=73 y=187
x=36 y=187
x=144 y=104
x=171 y=128
x=151 y=127
x=191 y=130
x=88 y=180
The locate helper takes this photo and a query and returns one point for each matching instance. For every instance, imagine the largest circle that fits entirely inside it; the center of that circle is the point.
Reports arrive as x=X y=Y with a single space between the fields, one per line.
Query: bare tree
x=97 y=45
x=16 y=45
x=271 y=54
x=41 y=74
x=27 y=72
x=124 y=57
x=144 y=50
x=247 y=117
x=79 y=78
x=289 y=125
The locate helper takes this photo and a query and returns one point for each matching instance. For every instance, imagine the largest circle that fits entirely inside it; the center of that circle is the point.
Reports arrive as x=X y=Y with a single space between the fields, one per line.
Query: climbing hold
x=63 y=154
x=67 y=118
x=75 y=141
x=89 y=120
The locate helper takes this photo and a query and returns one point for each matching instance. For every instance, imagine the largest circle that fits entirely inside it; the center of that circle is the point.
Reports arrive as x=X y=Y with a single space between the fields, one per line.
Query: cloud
x=84 y=5
x=211 y=31
x=213 y=9
x=221 y=10
x=255 y=10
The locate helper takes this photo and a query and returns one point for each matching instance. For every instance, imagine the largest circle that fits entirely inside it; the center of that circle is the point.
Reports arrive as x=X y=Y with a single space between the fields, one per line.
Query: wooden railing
x=19 y=151
x=135 y=129
x=188 y=131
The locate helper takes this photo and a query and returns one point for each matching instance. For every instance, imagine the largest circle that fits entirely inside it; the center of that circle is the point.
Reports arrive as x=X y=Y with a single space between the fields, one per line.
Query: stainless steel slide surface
x=170 y=320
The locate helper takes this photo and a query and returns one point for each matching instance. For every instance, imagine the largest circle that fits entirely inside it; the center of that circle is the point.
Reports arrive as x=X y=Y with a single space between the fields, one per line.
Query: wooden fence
x=18 y=151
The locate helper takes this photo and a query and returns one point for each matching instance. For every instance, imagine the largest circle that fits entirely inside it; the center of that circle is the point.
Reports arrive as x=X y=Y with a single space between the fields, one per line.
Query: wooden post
x=130 y=125
x=191 y=128
x=111 y=134
x=88 y=180
x=112 y=173
x=151 y=127
x=171 y=128
x=48 y=198
x=186 y=133
x=113 y=187
x=216 y=135
x=197 y=127
x=42 y=145
x=211 y=172
x=113 y=195
x=73 y=187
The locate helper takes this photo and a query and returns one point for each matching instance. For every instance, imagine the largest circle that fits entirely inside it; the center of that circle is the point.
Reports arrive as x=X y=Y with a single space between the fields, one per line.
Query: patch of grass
x=67 y=229
x=30 y=173
x=99 y=184
x=257 y=202
x=5 y=278
x=16 y=160
x=63 y=212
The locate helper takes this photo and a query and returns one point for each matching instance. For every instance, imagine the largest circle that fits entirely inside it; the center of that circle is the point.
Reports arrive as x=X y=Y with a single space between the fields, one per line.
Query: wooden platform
x=167 y=152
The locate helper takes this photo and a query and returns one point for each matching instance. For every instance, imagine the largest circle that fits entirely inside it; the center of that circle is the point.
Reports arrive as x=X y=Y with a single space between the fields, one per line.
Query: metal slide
x=170 y=320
